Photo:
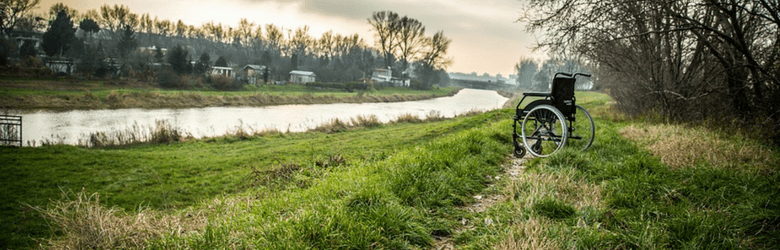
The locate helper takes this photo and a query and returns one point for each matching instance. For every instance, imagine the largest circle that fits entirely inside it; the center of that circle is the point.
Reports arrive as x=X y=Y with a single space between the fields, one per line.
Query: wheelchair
x=549 y=124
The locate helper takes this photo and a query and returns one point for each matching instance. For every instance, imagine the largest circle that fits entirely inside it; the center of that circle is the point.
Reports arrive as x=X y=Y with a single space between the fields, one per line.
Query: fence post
x=11 y=124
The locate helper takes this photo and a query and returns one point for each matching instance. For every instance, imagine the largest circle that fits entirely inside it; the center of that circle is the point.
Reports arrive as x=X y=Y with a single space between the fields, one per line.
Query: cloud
x=479 y=29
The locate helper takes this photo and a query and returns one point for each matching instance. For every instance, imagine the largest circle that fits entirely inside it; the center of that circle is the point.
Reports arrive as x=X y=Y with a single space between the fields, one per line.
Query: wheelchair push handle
x=570 y=75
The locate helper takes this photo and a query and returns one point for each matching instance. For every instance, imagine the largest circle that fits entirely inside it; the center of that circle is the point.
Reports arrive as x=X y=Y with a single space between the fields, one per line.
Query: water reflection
x=74 y=125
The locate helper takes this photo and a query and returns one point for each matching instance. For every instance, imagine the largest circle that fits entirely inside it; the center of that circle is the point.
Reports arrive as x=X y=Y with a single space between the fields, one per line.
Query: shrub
x=169 y=79
x=165 y=133
x=222 y=83
x=333 y=126
x=408 y=118
x=366 y=121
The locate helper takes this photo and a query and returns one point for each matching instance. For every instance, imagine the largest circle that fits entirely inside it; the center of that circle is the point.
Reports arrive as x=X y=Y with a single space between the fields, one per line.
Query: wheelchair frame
x=547 y=124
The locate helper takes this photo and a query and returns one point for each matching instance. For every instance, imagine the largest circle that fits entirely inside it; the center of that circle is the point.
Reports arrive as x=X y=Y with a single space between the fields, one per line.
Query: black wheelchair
x=548 y=124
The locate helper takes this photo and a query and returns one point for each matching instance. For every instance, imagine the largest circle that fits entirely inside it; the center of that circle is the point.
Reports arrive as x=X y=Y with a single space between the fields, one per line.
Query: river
x=70 y=126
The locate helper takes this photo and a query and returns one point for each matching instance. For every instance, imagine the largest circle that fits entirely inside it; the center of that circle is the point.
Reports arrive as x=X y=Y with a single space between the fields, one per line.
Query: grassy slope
x=404 y=183
x=620 y=195
x=179 y=174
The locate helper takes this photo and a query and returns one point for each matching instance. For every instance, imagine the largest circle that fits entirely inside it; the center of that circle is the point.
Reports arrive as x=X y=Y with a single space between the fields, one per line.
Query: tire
x=544 y=131
x=519 y=150
x=582 y=130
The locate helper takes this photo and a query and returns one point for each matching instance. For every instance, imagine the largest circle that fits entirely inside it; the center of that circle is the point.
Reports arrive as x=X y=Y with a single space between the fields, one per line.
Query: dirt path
x=512 y=169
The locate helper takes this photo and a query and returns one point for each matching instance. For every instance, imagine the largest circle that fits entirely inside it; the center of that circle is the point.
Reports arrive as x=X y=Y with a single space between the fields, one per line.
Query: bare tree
x=410 y=39
x=274 y=37
x=244 y=32
x=57 y=7
x=117 y=17
x=689 y=59
x=181 y=29
x=164 y=27
x=11 y=11
x=326 y=45
x=385 y=23
x=436 y=52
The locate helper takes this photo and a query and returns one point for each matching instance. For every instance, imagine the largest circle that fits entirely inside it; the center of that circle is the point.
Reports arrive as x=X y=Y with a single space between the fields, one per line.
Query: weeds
x=162 y=132
x=370 y=121
x=273 y=177
x=87 y=224
x=333 y=126
x=408 y=118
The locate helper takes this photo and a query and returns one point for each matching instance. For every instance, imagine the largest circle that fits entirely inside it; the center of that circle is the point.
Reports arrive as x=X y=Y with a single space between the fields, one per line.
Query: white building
x=386 y=76
x=302 y=77
x=222 y=71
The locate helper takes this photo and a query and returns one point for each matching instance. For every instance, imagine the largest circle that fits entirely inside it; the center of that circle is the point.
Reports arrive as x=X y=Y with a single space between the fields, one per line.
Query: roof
x=254 y=66
x=218 y=67
x=302 y=73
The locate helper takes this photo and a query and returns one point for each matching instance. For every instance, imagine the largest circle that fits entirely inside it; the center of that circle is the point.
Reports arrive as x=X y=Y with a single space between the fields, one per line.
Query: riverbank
x=400 y=186
x=61 y=94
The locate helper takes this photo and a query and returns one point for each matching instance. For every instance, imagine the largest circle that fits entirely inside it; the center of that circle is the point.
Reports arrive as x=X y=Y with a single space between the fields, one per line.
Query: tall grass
x=162 y=132
x=686 y=146
x=87 y=224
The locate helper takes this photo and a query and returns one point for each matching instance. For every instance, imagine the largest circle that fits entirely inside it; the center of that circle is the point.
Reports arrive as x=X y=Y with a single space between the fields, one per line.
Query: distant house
x=302 y=77
x=222 y=71
x=385 y=76
x=254 y=73
x=151 y=50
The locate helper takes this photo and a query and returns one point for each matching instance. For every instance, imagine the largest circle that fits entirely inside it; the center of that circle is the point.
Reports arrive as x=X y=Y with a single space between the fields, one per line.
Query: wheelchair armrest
x=537 y=94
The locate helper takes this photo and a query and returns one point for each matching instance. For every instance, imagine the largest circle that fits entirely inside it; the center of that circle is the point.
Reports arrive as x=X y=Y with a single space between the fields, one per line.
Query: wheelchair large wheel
x=544 y=131
x=582 y=130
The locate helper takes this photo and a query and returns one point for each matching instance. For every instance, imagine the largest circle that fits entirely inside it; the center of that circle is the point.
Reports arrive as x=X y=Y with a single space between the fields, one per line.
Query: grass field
x=399 y=186
x=61 y=94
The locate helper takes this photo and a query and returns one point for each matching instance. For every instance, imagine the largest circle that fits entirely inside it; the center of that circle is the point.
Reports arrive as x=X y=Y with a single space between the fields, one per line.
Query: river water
x=71 y=126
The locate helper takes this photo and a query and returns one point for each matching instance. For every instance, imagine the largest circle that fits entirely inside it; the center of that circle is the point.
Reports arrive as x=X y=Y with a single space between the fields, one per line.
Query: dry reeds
x=162 y=132
x=681 y=146
x=407 y=118
x=532 y=187
x=86 y=224
x=336 y=125
x=369 y=121
x=529 y=234
x=333 y=126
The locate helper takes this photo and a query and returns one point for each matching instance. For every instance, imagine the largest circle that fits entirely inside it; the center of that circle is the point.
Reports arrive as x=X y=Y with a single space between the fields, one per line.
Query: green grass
x=394 y=186
x=619 y=195
x=181 y=174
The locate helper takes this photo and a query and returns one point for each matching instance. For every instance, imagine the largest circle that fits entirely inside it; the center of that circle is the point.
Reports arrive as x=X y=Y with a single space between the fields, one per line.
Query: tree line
x=689 y=60
x=114 y=31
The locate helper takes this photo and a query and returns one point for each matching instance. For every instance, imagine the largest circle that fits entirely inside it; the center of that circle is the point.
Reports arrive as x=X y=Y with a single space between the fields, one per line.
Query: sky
x=486 y=37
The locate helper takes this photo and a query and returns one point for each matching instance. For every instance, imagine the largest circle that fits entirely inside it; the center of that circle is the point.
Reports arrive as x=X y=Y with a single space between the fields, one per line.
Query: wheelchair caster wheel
x=519 y=152
x=537 y=148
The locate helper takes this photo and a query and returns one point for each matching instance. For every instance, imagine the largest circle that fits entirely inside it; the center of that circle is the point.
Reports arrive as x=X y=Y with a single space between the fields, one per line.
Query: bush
x=222 y=83
x=169 y=79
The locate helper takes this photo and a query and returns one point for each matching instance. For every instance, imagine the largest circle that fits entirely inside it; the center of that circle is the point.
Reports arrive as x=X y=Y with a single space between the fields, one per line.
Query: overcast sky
x=485 y=35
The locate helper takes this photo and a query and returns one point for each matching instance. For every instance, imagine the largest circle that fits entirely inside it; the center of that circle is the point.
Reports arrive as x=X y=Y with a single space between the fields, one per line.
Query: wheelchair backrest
x=563 y=95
